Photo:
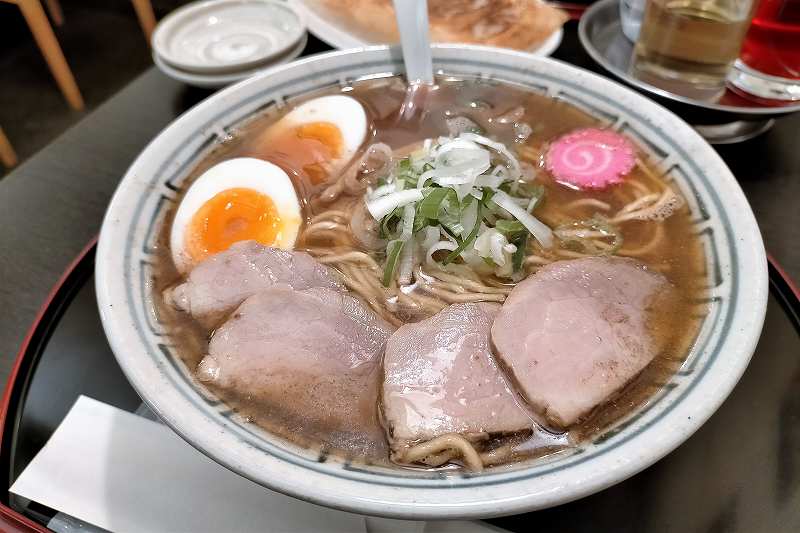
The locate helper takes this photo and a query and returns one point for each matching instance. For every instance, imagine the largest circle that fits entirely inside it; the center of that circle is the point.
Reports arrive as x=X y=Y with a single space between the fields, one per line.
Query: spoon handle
x=412 y=21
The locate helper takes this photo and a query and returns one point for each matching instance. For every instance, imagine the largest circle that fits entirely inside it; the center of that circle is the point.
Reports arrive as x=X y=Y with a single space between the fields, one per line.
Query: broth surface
x=676 y=253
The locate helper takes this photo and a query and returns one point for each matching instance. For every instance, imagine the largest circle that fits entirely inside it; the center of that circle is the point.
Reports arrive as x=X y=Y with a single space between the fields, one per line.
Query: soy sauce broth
x=678 y=256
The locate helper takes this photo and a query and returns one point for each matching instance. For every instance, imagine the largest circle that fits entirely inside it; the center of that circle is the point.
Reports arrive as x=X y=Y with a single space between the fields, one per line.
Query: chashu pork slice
x=576 y=332
x=217 y=285
x=308 y=357
x=440 y=377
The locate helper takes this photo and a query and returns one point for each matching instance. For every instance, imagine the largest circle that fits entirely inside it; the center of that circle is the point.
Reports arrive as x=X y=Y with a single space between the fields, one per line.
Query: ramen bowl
x=735 y=289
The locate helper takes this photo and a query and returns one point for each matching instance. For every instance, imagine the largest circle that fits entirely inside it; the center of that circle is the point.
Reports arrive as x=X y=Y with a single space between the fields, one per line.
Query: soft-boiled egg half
x=320 y=136
x=236 y=200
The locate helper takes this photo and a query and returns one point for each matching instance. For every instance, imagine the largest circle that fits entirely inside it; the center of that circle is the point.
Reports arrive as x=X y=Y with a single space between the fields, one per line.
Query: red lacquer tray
x=65 y=354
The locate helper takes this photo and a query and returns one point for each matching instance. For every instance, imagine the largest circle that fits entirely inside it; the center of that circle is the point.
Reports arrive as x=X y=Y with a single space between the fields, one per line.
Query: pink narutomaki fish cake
x=590 y=158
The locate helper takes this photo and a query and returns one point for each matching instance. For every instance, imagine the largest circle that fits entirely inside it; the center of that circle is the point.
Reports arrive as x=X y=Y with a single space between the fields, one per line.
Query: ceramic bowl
x=227 y=35
x=736 y=276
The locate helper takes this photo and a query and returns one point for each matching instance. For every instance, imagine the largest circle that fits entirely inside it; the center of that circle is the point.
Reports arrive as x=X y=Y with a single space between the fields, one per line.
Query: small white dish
x=227 y=35
x=216 y=81
x=334 y=33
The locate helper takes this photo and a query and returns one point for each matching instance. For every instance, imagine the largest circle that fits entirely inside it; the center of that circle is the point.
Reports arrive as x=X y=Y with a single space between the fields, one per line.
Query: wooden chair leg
x=54 y=9
x=147 y=19
x=7 y=155
x=43 y=33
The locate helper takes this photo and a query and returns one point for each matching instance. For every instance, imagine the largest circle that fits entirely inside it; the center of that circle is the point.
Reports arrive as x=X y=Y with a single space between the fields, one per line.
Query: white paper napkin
x=122 y=472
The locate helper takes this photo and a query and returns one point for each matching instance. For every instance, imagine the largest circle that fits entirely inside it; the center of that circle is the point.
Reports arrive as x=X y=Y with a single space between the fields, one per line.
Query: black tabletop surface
x=53 y=204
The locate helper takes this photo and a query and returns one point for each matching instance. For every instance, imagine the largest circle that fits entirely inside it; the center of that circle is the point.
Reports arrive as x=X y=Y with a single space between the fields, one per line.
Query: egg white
x=245 y=173
x=346 y=113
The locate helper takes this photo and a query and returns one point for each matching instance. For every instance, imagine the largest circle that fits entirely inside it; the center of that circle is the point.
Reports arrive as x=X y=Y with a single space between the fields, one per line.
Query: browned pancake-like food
x=519 y=24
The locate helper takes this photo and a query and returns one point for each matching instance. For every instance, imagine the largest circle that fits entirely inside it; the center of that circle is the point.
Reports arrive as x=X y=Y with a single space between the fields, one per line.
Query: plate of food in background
x=495 y=294
x=527 y=25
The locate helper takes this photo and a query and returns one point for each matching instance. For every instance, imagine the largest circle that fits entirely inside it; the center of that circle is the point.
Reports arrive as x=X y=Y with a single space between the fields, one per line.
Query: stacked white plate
x=336 y=28
x=214 y=43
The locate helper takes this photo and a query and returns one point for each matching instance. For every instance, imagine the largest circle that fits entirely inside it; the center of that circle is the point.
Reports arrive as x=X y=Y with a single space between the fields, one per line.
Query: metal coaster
x=734 y=118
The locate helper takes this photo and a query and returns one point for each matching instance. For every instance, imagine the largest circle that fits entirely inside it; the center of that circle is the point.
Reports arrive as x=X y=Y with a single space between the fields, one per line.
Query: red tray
x=66 y=339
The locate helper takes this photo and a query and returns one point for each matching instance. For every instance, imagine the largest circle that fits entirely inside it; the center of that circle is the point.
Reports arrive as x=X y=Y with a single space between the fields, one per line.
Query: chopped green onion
x=530 y=190
x=519 y=255
x=465 y=195
x=394 y=247
x=386 y=229
x=451 y=233
x=422 y=222
x=512 y=229
x=441 y=204
x=495 y=210
x=472 y=234
x=429 y=206
x=452 y=221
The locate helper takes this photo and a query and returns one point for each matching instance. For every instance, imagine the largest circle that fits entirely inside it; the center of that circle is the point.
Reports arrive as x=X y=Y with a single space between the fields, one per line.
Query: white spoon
x=412 y=21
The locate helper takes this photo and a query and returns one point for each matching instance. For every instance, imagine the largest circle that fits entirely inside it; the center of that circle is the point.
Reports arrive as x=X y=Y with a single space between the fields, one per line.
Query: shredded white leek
x=441 y=245
x=541 y=232
x=498 y=147
x=491 y=181
x=380 y=207
x=430 y=237
x=469 y=218
x=383 y=190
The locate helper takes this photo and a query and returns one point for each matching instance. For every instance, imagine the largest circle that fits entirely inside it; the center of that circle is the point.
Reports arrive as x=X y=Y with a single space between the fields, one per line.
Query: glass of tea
x=769 y=63
x=688 y=46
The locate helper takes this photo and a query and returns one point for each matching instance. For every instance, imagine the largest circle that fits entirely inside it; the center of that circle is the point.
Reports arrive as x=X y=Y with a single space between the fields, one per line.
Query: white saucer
x=227 y=35
x=215 y=81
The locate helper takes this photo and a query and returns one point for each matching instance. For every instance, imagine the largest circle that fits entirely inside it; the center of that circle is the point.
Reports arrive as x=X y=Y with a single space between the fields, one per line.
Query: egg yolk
x=327 y=134
x=231 y=216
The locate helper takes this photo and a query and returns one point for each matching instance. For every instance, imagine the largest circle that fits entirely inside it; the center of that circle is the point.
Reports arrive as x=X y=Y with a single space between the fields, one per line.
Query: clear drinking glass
x=688 y=46
x=631 y=13
x=769 y=63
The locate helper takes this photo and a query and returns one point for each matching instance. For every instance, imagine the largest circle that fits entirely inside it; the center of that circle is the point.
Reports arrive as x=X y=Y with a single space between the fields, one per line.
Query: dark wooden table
x=53 y=204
